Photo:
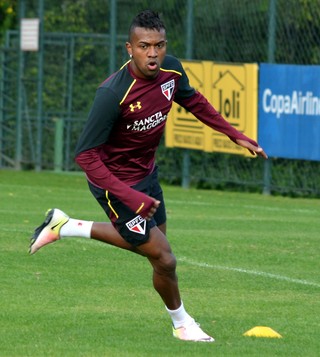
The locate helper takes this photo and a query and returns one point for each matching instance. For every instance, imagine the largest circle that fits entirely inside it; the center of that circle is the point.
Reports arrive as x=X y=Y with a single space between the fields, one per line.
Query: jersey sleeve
x=97 y=173
x=184 y=89
x=102 y=116
x=199 y=106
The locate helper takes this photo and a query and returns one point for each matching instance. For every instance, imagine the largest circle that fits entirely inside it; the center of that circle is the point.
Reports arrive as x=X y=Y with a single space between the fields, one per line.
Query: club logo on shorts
x=167 y=89
x=137 y=225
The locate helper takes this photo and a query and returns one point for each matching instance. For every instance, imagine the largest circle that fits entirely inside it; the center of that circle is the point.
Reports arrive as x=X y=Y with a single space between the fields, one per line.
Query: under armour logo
x=132 y=107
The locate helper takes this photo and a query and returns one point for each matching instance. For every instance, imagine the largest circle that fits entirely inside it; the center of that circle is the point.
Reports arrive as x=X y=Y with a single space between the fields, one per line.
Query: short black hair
x=147 y=19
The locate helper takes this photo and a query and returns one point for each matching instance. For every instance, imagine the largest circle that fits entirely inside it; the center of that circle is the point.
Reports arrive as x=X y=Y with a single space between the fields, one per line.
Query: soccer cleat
x=191 y=332
x=49 y=231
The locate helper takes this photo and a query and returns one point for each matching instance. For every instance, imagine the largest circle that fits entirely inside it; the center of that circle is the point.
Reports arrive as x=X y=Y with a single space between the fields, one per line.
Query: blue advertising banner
x=289 y=111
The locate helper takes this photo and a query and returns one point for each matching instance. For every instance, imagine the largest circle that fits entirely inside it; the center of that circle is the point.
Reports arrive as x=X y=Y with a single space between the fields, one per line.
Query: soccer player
x=116 y=150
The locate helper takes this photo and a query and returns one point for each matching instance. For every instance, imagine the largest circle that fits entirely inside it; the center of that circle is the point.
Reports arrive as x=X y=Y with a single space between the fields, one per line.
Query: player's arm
x=99 y=174
x=102 y=116
x=101 y=119
x=199 y=106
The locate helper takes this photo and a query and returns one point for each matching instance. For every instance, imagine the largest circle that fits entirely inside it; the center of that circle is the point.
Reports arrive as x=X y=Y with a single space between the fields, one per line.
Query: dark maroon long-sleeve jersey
x=127 y=120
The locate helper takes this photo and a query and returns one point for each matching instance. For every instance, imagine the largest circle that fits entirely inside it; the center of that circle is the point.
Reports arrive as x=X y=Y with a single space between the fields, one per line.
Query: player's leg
x=106 y=233
x=158 y=252
x=155 y=246
x=163 y=228
x=157 y=249
x=58 y=225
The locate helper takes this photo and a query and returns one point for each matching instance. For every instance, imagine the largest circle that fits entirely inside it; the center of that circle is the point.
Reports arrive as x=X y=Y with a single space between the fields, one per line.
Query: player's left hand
x=254 y=150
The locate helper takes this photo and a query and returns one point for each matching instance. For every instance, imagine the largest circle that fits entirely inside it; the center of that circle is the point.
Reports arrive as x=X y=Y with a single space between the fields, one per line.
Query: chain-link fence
x=46 y=95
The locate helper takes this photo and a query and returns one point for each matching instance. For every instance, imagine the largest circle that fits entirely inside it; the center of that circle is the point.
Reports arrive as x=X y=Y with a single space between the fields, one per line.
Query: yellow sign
x=233 y=90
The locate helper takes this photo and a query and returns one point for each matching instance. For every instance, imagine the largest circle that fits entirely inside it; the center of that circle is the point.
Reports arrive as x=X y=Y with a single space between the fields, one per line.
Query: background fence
x=45 y=96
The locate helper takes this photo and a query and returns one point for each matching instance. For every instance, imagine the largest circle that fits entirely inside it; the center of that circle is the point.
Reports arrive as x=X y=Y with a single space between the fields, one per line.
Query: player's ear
x=129 y=48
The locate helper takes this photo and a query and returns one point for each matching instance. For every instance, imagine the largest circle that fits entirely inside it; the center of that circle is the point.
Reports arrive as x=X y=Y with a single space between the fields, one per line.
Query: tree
x=8 y=17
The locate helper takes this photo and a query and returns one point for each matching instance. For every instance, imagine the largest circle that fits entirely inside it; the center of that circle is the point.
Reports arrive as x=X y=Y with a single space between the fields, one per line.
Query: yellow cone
x=262 y=331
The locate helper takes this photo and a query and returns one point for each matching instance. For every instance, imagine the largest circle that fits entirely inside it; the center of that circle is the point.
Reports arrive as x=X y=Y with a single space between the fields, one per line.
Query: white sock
x=179 y=317
x=76 y=228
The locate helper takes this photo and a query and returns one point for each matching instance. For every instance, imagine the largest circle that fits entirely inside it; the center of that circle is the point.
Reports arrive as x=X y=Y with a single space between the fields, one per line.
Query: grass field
x=244 y=260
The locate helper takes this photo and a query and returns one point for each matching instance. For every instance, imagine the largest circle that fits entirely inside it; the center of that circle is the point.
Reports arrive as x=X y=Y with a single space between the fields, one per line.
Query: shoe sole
x=39 y=229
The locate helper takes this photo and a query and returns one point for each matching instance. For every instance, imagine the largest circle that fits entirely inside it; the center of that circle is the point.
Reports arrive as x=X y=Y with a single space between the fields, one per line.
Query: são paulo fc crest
x=167 y=89
x=137 y=225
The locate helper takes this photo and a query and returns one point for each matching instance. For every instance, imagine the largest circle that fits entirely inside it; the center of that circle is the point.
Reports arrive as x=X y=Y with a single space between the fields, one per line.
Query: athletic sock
x=179 y=317
x=76 y=228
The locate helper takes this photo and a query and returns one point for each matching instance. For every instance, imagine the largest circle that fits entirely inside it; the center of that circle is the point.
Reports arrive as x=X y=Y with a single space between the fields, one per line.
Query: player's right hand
x=153 y=210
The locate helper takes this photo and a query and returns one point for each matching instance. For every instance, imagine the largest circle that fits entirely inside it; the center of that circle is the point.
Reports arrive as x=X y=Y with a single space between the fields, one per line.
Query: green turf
x=244 y=260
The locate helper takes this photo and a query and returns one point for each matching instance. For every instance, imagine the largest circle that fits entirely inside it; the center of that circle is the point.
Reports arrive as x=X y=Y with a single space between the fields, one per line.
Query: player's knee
x=167 y=264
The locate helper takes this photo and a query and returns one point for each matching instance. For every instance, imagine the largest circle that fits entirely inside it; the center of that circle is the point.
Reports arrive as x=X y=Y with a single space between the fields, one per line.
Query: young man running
x=117 y=150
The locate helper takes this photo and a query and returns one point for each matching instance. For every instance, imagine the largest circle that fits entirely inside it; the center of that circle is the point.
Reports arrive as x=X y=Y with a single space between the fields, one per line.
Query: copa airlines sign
x=296 y=103
x=289 y=111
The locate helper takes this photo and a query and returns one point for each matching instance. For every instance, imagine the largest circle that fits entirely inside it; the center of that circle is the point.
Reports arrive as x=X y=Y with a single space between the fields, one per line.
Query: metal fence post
x=189 y=54
x=2 y=75
x=113 y=36
x=70 y=67
x=267 y=176
x=272 y=30
x=58 y=145
x=186 y=169
x=18 y=153
x=40 y=89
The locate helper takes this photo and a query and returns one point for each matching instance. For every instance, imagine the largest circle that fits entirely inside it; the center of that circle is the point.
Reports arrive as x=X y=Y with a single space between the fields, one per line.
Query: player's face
x=148 y=49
